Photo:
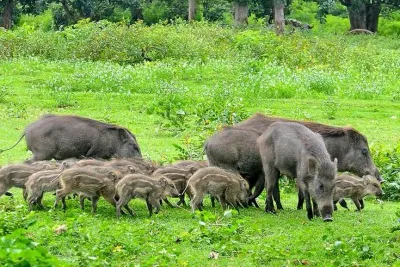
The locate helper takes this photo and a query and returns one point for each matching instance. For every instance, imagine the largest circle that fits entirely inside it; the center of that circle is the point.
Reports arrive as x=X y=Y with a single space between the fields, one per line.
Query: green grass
x=183 y=101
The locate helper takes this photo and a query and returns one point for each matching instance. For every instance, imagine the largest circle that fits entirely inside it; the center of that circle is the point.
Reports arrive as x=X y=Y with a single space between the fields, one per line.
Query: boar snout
x=326 y=212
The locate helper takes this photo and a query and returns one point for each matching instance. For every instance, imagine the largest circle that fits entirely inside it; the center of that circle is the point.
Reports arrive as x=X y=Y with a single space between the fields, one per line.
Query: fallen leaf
x=213 y=255
x=60 y=229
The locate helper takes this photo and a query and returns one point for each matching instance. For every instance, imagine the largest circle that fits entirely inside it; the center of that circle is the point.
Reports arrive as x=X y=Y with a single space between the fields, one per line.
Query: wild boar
x=39 y=183
x=225 y=148
x=62 y=137
x=190 y=164
x=355 y=187
x=142 y=165
x=145 y=187
x=17 y=175
x=88 y=183
x=294 y=150
x=228 y=187
x=179 y=177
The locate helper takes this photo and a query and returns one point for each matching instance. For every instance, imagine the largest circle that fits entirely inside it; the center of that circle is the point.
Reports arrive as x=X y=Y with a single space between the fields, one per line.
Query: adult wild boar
x=294 y=150
x=226 y=147
x=62 y=137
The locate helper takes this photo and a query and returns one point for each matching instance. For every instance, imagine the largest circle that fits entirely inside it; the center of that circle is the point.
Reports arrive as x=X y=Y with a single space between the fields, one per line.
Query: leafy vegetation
x=191 y=80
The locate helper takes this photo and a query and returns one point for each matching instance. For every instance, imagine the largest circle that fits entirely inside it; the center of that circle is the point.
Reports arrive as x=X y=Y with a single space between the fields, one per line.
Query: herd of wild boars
x=90 y=159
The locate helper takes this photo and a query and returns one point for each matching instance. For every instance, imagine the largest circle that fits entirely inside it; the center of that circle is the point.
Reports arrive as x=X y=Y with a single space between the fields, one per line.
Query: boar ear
x=123 y=135
x=312 y=166
x=163 y=181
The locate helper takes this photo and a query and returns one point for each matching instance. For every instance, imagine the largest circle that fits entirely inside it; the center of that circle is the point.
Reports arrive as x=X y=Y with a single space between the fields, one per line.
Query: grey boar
x=16 y=175
x=39 y=183
x=62 y=137
x=88 y=183
x=145 y=187
x=294 y=150
x=225 y=148
x=179 y=177
x=355 y=187
x=228 y=187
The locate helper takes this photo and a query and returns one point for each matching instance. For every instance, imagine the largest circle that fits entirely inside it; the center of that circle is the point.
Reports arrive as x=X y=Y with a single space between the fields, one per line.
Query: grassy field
x=172 y=106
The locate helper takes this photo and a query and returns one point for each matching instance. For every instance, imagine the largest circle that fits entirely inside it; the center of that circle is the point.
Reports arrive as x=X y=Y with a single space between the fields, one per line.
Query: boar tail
x=19 y=140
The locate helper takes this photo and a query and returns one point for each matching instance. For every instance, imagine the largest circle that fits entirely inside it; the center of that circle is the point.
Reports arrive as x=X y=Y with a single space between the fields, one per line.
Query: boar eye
x=364 y=151
x=321 y=187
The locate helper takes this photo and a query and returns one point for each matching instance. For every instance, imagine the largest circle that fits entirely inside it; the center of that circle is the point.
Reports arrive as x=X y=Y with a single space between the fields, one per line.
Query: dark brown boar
x=225 y=148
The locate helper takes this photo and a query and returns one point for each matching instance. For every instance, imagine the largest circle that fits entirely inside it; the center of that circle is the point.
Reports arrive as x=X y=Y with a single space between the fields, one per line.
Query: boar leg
x=61 y=194
x=271 y=178
x=95 y=199
x=300 y=200
x=168 y=203
x=82 y=202
x=212 y=198
x=222 y=200
x=39 y=201
x=195 y=202
x=361 y=203
x=315 y=208
x=129 y=210
x=24 y=194
x=343 y=203
x=258 y=188
x=357 y=203
x=308 y=204
x=277 y=195
x=3 y=190
x=121 y=202
x=232 y=201
x=181 y=200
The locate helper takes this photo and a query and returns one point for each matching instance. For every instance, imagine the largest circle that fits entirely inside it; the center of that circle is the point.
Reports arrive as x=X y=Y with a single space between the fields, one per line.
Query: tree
x=8 y=6
x=241 y=8
x=191 y=10
x=279 y=16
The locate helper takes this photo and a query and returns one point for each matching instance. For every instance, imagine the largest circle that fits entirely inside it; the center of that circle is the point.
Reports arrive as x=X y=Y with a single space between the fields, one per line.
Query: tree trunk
x=192 y=10
x=241 y=12
x=279 y=16
x=372 y=11
x=357 y=14
x=136 y=12
x=7 y=14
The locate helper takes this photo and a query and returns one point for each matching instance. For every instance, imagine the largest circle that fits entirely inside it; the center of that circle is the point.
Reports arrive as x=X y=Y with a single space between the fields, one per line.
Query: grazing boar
x=228 y=187
x=225 y=148
x=88 y=183
x=62 y=137
x=355 y=187
x=151 y=189
x=179 y=177
x=17 y=175
x=142 y=165
x=294 y=150
x=39 y=183
x=190 y=164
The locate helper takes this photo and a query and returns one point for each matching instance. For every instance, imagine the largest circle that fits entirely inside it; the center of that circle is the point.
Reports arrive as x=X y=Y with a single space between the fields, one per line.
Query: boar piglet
x=179 y=177
x=188 y=164
x=228 y=187
x=16 y=175
x=87 y=183
x=142 y=165
x=141 y=186
x=355 y=187
x=38 y=183
x=294 y=150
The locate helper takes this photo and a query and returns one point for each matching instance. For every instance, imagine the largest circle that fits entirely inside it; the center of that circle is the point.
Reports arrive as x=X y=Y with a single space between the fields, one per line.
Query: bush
x=18 y=250
x=43 y=22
